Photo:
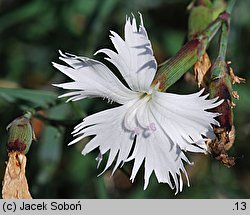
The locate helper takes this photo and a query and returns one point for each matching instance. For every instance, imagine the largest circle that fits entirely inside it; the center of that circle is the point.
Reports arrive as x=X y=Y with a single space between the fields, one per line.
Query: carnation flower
x=148 y=126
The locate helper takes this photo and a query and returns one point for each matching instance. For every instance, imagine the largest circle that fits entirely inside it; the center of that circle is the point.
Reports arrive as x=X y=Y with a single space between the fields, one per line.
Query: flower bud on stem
x=20 y=134
x=175 y=67
x=15 y=185
x=221 y=86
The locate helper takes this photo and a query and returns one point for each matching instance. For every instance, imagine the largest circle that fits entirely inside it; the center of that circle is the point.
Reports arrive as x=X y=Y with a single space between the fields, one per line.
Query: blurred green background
x=32 y=32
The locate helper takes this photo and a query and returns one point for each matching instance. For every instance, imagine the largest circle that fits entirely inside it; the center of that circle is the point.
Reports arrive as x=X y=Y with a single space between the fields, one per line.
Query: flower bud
x=199 y=18
x=202 y=13
x=20 y=134
x=221 y=86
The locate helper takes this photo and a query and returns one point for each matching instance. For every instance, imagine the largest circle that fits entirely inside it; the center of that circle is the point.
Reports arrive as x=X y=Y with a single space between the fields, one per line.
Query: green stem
x=220 y=81
x=230 y=6
x=225 y=32
x=212 y=29
x=189 y=54
x=223 y=41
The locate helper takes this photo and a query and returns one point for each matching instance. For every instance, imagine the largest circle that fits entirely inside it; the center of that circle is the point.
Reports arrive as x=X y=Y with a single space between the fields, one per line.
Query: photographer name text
x=41 y=206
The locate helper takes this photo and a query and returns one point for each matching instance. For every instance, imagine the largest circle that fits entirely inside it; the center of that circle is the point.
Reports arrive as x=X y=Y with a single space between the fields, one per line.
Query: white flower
x=150 y=126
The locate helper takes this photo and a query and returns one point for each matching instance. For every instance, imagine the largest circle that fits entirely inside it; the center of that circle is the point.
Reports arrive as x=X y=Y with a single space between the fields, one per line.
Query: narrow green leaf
x=37 y=97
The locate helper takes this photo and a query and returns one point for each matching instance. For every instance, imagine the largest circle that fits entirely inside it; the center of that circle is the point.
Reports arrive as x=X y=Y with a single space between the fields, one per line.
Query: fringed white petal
x=134 y=58
x=92 y=79
x=185 y=119
x=160 y=154
x=109 y=135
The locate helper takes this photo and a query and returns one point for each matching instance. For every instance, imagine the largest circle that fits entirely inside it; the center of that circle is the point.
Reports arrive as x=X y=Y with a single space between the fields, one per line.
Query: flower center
x=148 y=95
x=135 y=115
x=145 y=97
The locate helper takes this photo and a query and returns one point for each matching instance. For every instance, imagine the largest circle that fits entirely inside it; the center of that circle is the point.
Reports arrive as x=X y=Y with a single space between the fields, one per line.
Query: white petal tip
x=221 y=101
x=74 y=132
x=71 y=143
x=97 y=52
x=83 y=153
x=75 y=140
x=55 y=85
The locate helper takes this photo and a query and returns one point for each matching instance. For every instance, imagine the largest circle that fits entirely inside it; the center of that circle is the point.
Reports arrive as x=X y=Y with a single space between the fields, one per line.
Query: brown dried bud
x=15 y=184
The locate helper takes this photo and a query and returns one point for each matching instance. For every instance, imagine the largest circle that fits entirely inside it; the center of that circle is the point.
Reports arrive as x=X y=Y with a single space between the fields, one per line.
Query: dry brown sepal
x=236 y=79
x=219 y=146
x=201 y=68
x=15 y=184
x=235 y=95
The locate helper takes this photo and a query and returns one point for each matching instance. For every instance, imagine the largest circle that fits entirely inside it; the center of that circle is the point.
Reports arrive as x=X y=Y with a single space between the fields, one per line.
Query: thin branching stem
x=230 y=6
x=225 y=31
